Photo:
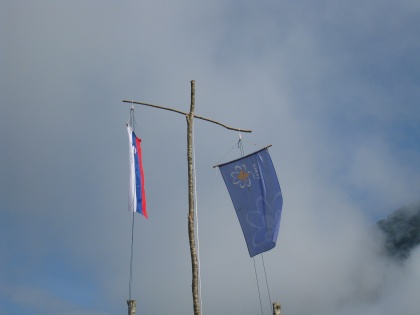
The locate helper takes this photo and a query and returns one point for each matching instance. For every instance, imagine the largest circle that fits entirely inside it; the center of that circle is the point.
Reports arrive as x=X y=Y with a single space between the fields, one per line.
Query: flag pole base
x=276 y=308
x=132 y=307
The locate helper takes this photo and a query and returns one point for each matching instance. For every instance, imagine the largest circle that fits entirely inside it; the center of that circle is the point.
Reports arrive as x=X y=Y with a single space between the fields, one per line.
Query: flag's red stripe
x=143 y=192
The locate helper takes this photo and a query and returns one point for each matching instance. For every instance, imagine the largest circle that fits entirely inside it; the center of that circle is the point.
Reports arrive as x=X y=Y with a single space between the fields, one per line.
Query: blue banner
x=255 y=192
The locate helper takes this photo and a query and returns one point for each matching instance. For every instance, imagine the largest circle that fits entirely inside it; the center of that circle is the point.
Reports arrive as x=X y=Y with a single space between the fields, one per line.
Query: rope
x=218 y=162
x=131 y=259
x=196 y=216
x=241 y=148
x=258 y=286
x=239 y=145
x=132 y=124
x=132 y=121
x=266 y=281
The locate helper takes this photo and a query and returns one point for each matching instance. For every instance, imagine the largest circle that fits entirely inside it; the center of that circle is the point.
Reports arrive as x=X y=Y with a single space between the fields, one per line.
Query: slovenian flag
x=137 y=195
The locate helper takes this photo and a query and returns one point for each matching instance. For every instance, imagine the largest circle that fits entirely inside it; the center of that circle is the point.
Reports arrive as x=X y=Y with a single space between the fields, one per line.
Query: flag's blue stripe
x=137 y=172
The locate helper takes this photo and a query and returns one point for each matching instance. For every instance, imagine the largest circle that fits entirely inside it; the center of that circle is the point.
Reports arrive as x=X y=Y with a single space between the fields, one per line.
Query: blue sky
x=333 y=86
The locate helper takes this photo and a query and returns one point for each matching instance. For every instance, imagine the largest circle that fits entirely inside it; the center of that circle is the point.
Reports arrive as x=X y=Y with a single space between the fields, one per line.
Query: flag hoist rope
x=266 y=280
x=131 y=260
x=132 y=124
x=241 y=148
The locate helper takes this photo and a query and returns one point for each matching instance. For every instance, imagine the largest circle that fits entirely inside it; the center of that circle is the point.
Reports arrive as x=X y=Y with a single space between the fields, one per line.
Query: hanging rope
x=131 y=120
x=258 y=286
x=266 y=281
x=240 y=145
x=132 y=123
x=241 y=148
x=231 y=149
x=131 y=259
x=262 y=256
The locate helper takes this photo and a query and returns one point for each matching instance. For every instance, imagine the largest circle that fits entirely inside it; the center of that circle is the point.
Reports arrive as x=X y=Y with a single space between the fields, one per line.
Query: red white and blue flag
x=137 y=195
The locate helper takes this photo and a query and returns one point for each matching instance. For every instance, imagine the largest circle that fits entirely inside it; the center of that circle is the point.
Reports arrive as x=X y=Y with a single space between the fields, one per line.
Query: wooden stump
x=131 y=307
x=276 y=308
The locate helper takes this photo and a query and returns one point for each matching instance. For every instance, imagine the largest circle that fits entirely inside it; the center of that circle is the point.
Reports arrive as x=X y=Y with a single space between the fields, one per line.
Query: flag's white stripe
x=132 y=200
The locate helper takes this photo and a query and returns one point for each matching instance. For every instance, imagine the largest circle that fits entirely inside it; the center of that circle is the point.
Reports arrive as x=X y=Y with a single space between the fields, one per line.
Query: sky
x=332 y=85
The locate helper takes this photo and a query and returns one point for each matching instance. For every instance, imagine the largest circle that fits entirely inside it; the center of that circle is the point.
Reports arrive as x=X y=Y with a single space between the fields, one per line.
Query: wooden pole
x=276 y=308
x=191 y=202
x=131 y=307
